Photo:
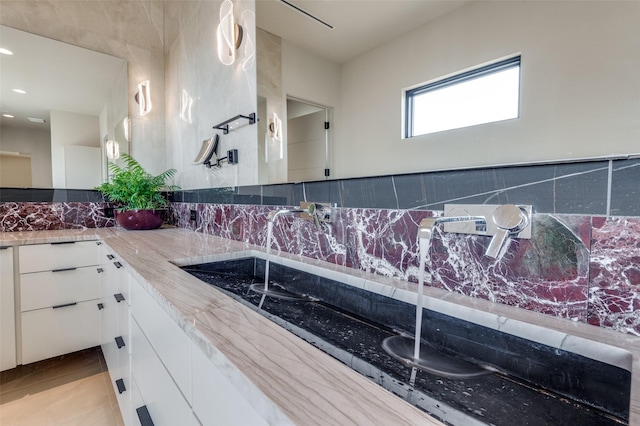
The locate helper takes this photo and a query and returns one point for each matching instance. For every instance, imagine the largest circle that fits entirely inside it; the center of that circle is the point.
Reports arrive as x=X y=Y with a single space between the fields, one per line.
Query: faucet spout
x=425 y=230
x=275 y=213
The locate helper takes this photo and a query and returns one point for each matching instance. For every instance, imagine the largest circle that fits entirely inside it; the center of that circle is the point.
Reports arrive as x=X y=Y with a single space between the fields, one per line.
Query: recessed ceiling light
x=4 y=51
x=7 y=115
x=36 y=120
x=22 y=92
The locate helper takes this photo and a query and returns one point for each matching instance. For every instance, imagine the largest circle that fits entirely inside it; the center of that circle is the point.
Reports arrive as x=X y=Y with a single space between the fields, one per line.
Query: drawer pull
x=118 y=264
x=100 y=270
x=62 y=242
x=119 y=297
x=64 y=306
x=100 y=306
x=110 y=256
x=120 y=342
x=98 y=243
x=4 y=247
x=64 y=269
x=144 y=416
x=120 y=386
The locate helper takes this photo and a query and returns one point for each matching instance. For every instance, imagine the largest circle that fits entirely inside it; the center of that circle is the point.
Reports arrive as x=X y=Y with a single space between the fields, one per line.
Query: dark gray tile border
x=566 y=188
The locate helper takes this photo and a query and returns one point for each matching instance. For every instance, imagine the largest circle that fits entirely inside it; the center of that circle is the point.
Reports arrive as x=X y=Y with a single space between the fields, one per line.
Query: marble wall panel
x=16 y=217
x=614 y=293
x=547 y=274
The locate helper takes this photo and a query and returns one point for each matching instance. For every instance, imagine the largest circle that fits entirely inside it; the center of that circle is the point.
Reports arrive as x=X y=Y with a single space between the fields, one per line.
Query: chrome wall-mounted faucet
x=275 y=213
x=316 y=212
x=503 y=223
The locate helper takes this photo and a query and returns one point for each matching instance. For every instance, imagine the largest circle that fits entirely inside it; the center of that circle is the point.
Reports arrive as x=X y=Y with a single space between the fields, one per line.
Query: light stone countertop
x=302 y=384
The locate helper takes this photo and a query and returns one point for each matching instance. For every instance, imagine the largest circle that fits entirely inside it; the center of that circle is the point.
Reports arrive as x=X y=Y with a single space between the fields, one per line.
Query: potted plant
x=137 y=194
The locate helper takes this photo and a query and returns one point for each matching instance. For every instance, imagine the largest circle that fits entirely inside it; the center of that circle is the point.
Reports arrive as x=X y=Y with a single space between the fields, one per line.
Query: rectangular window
x=483 y=95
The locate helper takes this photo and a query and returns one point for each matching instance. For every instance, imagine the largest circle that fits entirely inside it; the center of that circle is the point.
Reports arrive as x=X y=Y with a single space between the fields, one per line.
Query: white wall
x=580 y=88
x=70 y=129
x=219 y=92
x=37 y=143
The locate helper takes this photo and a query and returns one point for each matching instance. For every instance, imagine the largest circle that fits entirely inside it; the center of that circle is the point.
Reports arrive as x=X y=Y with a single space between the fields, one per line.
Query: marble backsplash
x=41 y=216
x=579 y=267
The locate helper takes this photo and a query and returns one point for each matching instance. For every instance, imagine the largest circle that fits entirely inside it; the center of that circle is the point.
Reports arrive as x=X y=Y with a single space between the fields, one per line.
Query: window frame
x=485 y=70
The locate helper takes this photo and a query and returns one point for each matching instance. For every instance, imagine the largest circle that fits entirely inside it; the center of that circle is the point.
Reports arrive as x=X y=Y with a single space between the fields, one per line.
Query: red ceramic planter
x=138 y=220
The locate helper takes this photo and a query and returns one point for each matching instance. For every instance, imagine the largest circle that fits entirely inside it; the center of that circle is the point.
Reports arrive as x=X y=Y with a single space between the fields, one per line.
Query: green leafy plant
x=134 y=188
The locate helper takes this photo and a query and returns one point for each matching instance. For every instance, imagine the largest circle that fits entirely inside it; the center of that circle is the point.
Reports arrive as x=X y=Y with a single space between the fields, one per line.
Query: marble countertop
x=301 y=384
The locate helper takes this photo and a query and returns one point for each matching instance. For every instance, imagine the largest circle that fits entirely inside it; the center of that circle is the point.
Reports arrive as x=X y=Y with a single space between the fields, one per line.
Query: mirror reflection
x=571 y=107
x=61 y=107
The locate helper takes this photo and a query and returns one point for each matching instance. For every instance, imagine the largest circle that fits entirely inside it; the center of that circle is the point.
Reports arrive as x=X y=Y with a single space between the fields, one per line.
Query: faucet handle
x=510 y=220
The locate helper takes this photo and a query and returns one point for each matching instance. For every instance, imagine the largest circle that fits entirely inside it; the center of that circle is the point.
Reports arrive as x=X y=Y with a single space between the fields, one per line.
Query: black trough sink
x=529 y=383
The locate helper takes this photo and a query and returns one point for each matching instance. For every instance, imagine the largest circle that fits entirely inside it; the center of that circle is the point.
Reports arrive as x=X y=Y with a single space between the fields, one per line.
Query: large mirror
x=579 y=85
x=61 y=106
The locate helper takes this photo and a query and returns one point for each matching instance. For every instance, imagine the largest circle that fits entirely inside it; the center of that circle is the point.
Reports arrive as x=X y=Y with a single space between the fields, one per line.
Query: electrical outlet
x=232 y=156
x=193 y=215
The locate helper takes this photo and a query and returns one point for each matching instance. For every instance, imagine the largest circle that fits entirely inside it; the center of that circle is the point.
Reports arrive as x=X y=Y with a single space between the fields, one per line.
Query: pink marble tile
x=16 y=217
x=614 y=293
x=549 y=274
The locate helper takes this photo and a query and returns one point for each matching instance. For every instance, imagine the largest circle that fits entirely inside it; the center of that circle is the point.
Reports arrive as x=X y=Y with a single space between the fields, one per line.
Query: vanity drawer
x=51 y=332
x=52 y=288
x=47 y=257
x=166 y=337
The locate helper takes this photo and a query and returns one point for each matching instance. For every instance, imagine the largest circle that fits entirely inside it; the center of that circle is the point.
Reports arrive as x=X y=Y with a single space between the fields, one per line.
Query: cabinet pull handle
x=118 y=264
x=120 y=342
x=98 y=243
x=64 y=269
x=100 y=270
x=4 y=247
x=100 y=306
x=62 y=242
x=120 y=386
x=64 y=306
x=119 y=297
x=110 y=256
x=144 y=416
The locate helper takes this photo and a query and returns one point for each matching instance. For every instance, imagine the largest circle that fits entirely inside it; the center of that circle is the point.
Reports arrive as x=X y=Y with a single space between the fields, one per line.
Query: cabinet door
x=7 y=312
x=215 y=399
x=162 y=398
x=168 y=340
x=56 y=331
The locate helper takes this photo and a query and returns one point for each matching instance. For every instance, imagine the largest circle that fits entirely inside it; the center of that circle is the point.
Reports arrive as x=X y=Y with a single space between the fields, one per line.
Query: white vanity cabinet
x=59 y=298
x=178 y=384
x=7 y=311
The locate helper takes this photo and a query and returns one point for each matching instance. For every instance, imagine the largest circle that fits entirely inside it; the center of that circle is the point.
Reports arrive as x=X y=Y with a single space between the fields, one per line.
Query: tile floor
x=69 y=390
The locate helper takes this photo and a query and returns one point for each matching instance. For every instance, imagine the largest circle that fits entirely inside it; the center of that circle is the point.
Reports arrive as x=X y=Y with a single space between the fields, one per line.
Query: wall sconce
x=274 y=135
x=126 y=127
x=248 y=19
x=229 y=34
x=143 y=97
x=186 y=102
x=113 y=150
x=275 y=127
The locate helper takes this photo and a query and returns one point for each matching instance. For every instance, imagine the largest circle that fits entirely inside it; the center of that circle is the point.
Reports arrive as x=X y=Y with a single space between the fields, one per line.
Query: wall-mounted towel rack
x=224 y=126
